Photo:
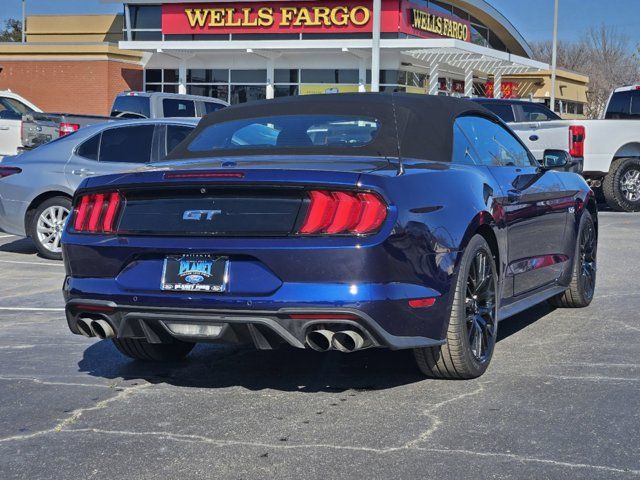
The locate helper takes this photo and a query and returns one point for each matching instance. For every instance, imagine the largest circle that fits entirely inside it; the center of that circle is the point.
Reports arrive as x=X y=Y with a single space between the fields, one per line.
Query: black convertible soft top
x=411 y=125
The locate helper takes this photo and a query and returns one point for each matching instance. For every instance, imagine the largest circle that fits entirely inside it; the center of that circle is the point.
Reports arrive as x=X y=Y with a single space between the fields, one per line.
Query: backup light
x=336 y=212
x=96 y=212
x=194 y=330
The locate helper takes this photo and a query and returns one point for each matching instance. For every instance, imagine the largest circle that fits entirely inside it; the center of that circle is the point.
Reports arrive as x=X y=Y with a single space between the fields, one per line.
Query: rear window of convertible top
x=287 y=131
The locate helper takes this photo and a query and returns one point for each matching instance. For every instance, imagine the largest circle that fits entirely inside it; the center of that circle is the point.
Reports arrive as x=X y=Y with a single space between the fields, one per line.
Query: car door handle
x=83 y=172
x=4 y=128
x=534 y=138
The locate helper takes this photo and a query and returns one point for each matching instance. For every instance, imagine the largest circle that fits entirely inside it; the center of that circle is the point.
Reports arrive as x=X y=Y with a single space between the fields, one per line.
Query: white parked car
x=607 y=150
x=12 y=108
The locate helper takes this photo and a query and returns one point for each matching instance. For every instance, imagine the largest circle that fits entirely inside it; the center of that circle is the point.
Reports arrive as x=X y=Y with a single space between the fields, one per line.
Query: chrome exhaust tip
x=320 y=340
x=84 y=327
x=102 y=329
x=348 y=341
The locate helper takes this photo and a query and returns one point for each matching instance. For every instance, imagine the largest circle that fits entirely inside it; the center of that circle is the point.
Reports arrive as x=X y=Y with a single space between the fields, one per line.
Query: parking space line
x=33 y=263
x=31 y=309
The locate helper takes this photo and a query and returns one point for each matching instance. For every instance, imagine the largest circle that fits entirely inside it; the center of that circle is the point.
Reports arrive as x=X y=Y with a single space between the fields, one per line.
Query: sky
x=533 y=18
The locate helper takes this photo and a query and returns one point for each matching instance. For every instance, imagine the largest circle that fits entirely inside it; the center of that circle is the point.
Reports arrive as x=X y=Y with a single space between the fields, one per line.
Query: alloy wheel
x=480 y=307
x=49 y=227
x=630 y=185
x=588 y=259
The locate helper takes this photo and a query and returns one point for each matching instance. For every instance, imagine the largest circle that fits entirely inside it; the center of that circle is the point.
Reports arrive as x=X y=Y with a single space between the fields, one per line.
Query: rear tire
x=583 y=279
x=46 y=225
x=473 y=325
x=153 y=352
x=621 y=186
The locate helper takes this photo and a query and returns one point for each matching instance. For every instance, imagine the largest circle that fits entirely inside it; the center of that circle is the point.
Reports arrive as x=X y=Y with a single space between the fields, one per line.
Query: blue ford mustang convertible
x=332 y=222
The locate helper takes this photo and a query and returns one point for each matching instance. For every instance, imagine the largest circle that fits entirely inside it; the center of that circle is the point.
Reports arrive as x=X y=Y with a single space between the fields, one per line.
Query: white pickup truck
x=607 y=151
x=12 y=108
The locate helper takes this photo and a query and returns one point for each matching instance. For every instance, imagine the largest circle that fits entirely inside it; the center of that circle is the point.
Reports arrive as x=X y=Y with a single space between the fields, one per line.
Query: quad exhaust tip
x=102 y=329
x=320 y=340
x=84 y=327
x=345 y=341
x=95 y=328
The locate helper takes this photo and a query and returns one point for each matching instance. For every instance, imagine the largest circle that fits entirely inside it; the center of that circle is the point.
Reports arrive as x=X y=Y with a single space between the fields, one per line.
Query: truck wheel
x=473 y=326
x=47 y=224
x=153 y=352
x=621 y=186
x=583 y=280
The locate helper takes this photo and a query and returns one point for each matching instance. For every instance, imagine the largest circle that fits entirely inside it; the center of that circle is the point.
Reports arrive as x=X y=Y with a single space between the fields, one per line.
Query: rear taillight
x=577 y=135
x=97 y=212
x=6 y=171
x=336 y=212
x=67 y=128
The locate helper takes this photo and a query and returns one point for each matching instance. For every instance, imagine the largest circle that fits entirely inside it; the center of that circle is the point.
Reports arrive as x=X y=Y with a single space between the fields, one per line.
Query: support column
x=362 y=75
x=434 y=84
x=271 y=78
x=468 y=83
x=497 y=85
x=375 y=46
x=182 y=77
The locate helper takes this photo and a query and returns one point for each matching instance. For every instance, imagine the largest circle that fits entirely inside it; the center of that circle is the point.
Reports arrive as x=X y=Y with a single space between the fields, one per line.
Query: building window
x=146 y=22
x=207 y=76
x=249 y=76
x=247 y=93
x=329 y=76
x=220 y=92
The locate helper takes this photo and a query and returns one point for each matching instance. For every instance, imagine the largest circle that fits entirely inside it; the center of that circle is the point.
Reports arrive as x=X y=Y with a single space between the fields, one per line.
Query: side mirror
x=556 y=159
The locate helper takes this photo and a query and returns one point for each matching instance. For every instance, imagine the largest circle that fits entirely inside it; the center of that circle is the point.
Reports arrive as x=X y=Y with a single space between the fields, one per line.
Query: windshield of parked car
x=11 y=109
x=131 y=106
x=624 y=105
x=287 y=131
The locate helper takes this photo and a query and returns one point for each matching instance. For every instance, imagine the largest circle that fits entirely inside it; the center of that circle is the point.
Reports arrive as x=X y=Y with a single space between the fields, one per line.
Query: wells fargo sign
x=319 y=16
x=267 y=17
x=425 y=22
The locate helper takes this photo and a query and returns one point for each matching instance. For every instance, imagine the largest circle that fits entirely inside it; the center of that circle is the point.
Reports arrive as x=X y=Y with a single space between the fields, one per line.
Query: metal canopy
x=464 y=61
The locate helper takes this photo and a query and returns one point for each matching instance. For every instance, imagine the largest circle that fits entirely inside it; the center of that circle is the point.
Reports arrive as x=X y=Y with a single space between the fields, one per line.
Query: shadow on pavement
x=22 y=246
x=285 y=369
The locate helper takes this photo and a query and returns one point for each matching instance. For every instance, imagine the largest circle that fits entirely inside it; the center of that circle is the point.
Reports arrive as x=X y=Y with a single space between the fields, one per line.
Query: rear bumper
x=265 y=329
x=12 y=215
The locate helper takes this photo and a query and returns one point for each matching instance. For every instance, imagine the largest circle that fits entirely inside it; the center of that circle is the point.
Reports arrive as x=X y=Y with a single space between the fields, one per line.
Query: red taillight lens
x=97 y=212
x=335 y=212
x=577 y=135
x=422 y=302
x=6 y=171
x=67 y=128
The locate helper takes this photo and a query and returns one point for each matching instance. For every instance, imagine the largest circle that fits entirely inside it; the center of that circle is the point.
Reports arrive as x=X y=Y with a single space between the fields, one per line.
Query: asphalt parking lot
x=560 y=400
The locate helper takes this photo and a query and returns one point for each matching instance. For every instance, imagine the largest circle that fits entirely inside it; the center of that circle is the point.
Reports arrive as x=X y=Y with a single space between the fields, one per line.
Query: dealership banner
x=320 y=16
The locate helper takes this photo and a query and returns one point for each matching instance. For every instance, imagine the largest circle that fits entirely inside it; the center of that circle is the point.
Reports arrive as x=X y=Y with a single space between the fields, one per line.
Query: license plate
x=195 y=273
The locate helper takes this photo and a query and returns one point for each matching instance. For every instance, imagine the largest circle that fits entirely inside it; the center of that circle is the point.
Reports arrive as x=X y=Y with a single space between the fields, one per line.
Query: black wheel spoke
x=480 y=304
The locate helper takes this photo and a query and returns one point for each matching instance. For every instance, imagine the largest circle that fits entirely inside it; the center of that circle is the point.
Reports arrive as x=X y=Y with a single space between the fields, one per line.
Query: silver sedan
x=36 y=187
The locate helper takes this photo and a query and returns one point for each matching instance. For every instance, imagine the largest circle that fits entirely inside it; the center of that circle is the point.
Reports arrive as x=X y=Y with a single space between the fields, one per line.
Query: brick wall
x=84 y=86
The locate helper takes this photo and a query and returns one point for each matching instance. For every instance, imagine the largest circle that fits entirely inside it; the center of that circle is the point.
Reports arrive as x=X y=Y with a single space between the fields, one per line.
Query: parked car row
x=606 y=151
x=37 y=186
x=23 y=126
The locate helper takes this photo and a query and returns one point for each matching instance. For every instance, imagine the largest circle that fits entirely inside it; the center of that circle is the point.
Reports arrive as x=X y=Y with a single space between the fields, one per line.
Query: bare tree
x=12 y=31
x=571 y=55
x=611 y=64
x=604 y=55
